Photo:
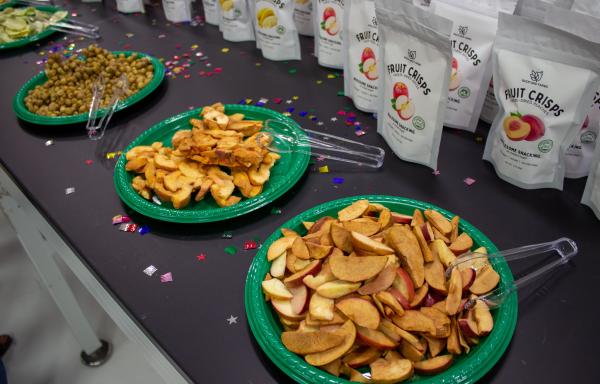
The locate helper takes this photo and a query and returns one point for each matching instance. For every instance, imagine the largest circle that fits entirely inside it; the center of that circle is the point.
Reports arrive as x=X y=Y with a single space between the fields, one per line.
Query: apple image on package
x=368 y=64
x=329 y=23
x=401 y=101
x=454 y=76
x=586 y=122
x=523 y=127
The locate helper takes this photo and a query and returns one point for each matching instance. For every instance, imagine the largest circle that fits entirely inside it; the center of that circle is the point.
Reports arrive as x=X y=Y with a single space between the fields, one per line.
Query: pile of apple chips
x=368 y=288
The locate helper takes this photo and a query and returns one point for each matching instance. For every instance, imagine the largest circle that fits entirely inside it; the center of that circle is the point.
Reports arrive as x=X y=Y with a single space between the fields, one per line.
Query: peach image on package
x=368 y=64
x=329 y=23
x=523 y=127
x=401 y=102
x=454 y=76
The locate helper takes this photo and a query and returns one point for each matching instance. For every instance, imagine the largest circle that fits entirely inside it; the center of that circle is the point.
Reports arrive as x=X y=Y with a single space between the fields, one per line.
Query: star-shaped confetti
x=232 y=320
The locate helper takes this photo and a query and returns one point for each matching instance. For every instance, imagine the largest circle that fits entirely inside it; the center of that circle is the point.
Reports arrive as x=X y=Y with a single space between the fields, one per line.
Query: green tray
x=286 y=172
x=24 y=114
x=32 y=38
x=466 y=368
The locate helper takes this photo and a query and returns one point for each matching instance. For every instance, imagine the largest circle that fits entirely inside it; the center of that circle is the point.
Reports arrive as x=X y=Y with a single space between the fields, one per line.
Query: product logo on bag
x=462 y=30
x=536 y=76
x=412 y=55
x=373 y=22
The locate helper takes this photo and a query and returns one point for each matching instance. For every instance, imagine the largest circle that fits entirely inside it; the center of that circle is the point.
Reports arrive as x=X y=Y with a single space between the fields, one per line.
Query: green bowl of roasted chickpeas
x=62 y=93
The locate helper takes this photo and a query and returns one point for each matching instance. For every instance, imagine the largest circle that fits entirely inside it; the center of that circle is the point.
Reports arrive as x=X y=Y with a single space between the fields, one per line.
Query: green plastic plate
x=266 y=328
x=32 y=38
x=286 y=172
x=24 y=114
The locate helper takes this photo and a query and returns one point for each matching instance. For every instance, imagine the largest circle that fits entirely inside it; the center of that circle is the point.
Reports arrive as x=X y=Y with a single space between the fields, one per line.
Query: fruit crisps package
x=580 y=153
x=472 y=38
x=276 y=32
x=130 y=6
x=328 y=18
x=236 y=20
x=591 y=194
x=303 y=14
x=361 y=52
x=178 y=11
x=544 y=81
x=588 y=7
x=211 y=11
x=414 y=65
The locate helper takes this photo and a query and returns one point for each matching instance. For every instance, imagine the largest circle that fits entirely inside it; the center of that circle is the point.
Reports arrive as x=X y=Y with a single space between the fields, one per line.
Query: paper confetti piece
x=231 y=250
x=324 y=169
x=89 y=162
x=143 y=230
x=224 y=50
x=232 y=320
x=291 y=109
x=341 y=113
x=162 y=36
x=469 y=181
x=277 y=100
x=149 y=270
x=249 y=245
x=69 y=190
x=338 y=180
x=319 y=82
x=303 y=113
x=341 y=93
x=156 y=200
x=436 y=172
x=288 y=101
x=201 y=257
x=49 y=143
x=129 y=35
x=110 y=155
x=120 y=219
x=295 y=98
x=478 y=139
x=334 y=119
x=227 y=235
x=292 y=71
x=286 y=114
x=275 y=211
x=128 y=227
x=248 y=101
x=167 y=277
x=331 y=76
x=320 y=123
x=359 y=132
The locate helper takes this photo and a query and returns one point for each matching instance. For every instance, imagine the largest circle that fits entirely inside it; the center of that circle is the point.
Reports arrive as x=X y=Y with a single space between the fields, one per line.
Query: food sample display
x=68 y=90
x=368 y=290
x=18 y=23
x=218 y=154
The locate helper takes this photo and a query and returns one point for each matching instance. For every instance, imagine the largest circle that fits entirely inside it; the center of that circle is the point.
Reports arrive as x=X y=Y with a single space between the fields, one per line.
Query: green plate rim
x=266 y=332
x=24 y=114
x=33 y=38
x=142 y=206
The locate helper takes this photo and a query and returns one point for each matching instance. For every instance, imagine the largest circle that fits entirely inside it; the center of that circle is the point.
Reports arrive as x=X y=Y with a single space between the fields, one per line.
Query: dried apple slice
x=414 y=321
x=410 y=352
x=364 y=226
x=486 y=280
x=319 y=224
x=361 y=357
x=438 y=221
x=426 y=252
x=300 y=264
x=362 y=242
x=289 y=233
x=290 y=262
x=276 y=289
x=381 y=282
x=441 y=322
x=318 y=251
x=453 y=342
x=468 y=278
x=406 y=245
x=417 y=219
x=333 y=367
x=324 y=276
x=341 y=238
x=304 y=343
x=420 y=295
x=439 y=236
x=436 y=346
x=445 y=255
x=284 y=308
x=374 y=338
x=468 y=325
x=402 y=334
x=387 y=298
x=404 y=284
x=299 y=249
x=311 y=269
x=278 y=265
x=388 y=372
x=356 y=268
x=461 y=244
x=320 y=308
x=279 y=246
x=361 y=311
x=434 y=365
x=454 y=292
x=483 y=317
x=337 y=288
x=399 y=218
x=455 y=223
x=348 y=331
x=434 y=275
x=353 y=211
x=299 y=298
x=354 y=375
x=308 y=225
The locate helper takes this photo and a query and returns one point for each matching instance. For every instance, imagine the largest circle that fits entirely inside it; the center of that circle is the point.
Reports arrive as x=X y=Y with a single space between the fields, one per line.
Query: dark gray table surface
x=555 y=340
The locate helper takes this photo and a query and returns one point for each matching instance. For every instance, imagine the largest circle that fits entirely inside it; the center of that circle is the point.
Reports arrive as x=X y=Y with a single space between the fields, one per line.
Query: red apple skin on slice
x=434 y=365
x=462 y=244
x=400 y=218
x=374 y=338
x=468 y=278
x=296 y=279
x=284 y=308
x=420 y=295
x=299 y=298
x=483 y=317
x=404 y=284
x=486 y=280
x=382 y=281
x=400 y=297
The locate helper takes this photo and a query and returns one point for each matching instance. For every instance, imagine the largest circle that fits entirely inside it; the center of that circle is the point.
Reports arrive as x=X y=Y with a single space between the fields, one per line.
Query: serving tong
x=96 y=129
x=71 y=26
x=565 y=247
x=283 y=139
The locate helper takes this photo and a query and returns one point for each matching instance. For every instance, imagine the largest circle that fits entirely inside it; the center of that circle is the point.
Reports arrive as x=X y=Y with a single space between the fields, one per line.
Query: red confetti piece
x=469 y=181
x=89 y=162
x=251 y=244
x=218 y=70
x=277 y=100
x=342 y=113
x=201 y=257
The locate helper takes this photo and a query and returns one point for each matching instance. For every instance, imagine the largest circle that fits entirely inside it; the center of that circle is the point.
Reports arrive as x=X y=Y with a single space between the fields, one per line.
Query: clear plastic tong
x=278 y=137
x=71 y=26
x=566 y=249
x=96 y=130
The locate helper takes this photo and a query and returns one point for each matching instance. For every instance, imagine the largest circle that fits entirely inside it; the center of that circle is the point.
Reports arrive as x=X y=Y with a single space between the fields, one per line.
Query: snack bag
x=236 y=20
x=591 y=194
x=361 y=52
x=275 y=29
x=536 y=9
x=178 y=11
x=328 y=17
x=414 y=66
x=588 y=7
x=211 y=11
x=544 y=80
x=475 y=24
x=130 y=6
x=490 y=106
x=303 y=10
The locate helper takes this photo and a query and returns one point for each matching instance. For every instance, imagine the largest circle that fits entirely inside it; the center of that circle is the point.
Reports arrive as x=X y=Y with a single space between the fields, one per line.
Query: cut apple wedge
x=354 y=375
x=311 y=269
x=316 y=227
x=341 y=238
x=300 y=264
x=308 y=225
x=404 y=284
x=399 y=218
x=414 y=321
x=462 y=244
x=420 y=295
x=410 y=352
x=318 y=251
x=348 y=331
x=374 y=338
x=483 y=317
x=299 y=298
x=324 y=276
x=438 y=221
x=404 y=303
x=381 y=282
x=290 y=262
x=304 y=343
x=468 y=278
x=303 y=327
x=289 y=233
x=388 y=298
x=468 y=325
x=427 y=232
x=435 y=345
x=389 y=329
x=486 y=280
x=439 y=236
x=278 y=266
x=276 y=289
x=365 y=243
x=361 y=311
x=299 y=249
x=417 y=219
x=284 y=308
x=337 y=288
x=454 y=292
x=321 y=308
x=455 y=223
x=423 y=243
x=361 y=357
x=353 y=211
x=445 y=255
x=279 y=246
x=434 y=365
x=434 y=275
x=356 y=268
x=453 y=341
x=441 y=322
x=333 y=367
x=365 y=226
x=406 y=245
x=385 y=219
x=388 y=372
